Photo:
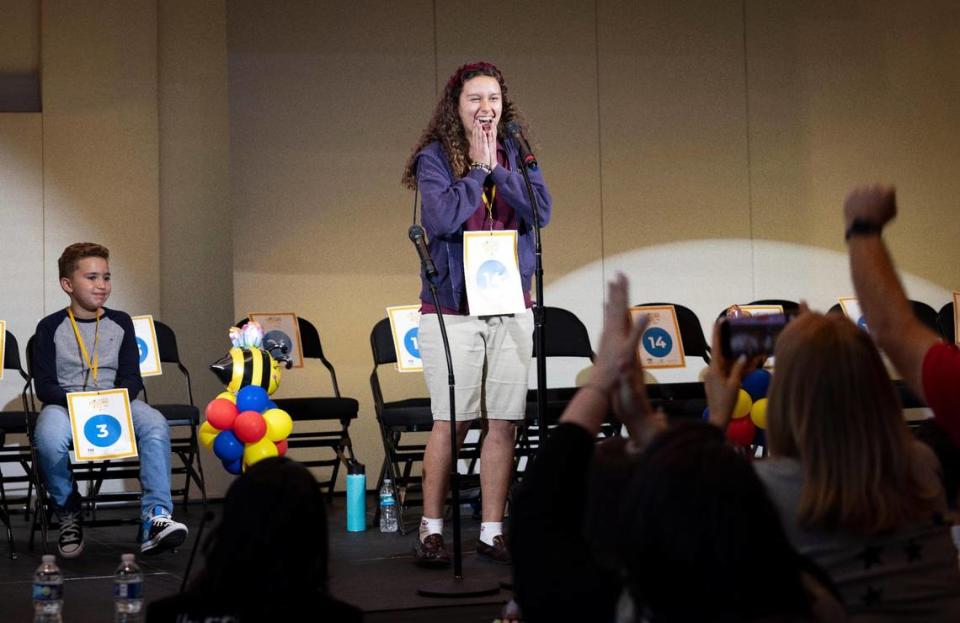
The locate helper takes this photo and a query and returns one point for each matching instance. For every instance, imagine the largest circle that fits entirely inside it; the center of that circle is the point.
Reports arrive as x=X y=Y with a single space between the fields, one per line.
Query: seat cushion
x=179 y=414
x=413 y=413
x=13 y=422
x=319 y=408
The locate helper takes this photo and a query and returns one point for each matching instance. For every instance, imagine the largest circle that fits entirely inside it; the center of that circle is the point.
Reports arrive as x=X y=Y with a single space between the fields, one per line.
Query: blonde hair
x=832 y=407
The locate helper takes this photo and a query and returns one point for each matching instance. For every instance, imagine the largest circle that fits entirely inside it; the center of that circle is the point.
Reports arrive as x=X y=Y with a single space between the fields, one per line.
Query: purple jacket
x=449 y=202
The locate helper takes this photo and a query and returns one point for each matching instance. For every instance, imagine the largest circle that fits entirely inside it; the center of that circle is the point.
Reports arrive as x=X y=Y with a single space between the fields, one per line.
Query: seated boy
x=88 y=347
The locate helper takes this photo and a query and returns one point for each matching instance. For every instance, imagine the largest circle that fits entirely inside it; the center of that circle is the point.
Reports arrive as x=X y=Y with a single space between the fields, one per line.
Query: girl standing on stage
x=469 y=180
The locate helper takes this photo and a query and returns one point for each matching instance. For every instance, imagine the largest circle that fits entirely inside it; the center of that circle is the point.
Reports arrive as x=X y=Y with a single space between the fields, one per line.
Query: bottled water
x=47 y=591
x=127 y=591
x=388 y=507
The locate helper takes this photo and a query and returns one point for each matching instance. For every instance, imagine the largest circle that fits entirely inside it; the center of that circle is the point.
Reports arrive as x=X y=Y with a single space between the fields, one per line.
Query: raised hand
x=873 y=204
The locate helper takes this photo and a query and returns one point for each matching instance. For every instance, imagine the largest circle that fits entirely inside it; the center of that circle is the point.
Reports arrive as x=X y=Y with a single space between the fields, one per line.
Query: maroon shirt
x=504 y=217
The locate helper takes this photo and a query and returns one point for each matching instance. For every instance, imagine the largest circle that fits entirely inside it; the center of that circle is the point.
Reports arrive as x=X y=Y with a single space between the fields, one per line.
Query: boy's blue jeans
x=53 y=436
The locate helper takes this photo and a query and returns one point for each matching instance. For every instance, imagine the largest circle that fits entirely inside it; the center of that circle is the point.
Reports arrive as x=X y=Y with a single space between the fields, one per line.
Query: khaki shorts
x=491 y=361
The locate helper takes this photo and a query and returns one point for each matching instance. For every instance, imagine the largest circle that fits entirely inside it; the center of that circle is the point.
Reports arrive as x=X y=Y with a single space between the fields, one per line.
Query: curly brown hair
x=76 y=252
x=445 y=125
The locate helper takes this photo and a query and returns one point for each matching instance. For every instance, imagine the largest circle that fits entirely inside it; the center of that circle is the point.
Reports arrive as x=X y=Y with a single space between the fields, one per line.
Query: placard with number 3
x=102 y=425
x=660 y=345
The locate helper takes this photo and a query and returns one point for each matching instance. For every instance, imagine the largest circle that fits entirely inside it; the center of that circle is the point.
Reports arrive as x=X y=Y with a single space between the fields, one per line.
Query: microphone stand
x=457 y=586
x=539 y=313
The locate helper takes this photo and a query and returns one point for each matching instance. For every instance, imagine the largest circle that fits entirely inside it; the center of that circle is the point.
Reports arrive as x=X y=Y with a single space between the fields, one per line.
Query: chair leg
x=5 y=518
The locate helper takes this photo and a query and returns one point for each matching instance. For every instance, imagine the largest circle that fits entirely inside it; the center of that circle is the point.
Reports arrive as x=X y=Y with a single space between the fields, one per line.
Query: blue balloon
x=227 y=447
x=234 y=467
x=252 y=398
x=270 y=405
x=757 y=383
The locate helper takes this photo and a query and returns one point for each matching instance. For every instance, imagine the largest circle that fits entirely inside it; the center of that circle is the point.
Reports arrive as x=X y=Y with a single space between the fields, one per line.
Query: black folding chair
x=14 y=423
x=337 y=410
x=945 y=323
x=181 y=416
x=398 y=421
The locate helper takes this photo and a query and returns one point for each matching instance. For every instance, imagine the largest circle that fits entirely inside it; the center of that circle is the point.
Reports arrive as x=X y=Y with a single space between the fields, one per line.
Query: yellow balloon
x=274 y=376
x=207 y=433
x=744 y=403
x=228 y=396
x=279 y=424
x=258 y=451
x=758 y=413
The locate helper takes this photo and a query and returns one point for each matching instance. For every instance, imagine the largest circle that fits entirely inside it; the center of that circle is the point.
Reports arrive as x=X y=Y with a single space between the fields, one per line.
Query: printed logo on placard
x=657 y=342
x=143 y=348
x=411 y=342
x=102 y=430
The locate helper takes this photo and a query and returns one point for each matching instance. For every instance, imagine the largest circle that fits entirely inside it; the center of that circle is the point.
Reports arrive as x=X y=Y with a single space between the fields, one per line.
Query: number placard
x=660 y=345
x=405 y=327
x=956 y=317
x=851 y=309
x=102 y=425
x=3 y=344
x=146 y=334
x=492 y=273
x=282 y=330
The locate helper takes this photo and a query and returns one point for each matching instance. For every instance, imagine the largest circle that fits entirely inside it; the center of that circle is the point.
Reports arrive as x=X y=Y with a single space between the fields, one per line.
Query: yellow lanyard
x=489 y=203
x=95 y=364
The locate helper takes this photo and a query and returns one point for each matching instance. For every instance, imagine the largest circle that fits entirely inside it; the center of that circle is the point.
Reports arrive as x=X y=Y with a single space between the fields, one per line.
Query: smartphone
x=751 y=335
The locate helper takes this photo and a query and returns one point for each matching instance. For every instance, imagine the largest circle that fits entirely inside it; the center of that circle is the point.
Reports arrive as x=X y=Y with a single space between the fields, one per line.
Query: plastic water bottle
x=47 y=591
x=388 y=507
x=127 y=590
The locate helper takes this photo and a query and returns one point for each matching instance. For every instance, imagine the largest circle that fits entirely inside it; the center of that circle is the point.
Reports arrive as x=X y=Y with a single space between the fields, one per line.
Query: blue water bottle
x=356 y=497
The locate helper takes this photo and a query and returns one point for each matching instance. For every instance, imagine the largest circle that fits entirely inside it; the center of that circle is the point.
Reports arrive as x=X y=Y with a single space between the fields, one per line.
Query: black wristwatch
x=860 y=227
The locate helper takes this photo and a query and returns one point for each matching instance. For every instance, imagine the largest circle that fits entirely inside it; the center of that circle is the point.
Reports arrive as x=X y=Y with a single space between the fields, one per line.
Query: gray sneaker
x=70 y=540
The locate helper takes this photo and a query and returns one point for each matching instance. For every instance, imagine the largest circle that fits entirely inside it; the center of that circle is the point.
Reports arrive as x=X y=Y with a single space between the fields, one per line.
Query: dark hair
x=445 y=125
x=272 y=540
x=76 y=252
x=701 y=539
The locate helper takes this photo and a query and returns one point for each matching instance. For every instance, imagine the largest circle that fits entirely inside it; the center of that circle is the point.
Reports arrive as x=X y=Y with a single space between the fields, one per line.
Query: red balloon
x=249 y=427
x=221 y=413
x=741 y=431
x=282 y=447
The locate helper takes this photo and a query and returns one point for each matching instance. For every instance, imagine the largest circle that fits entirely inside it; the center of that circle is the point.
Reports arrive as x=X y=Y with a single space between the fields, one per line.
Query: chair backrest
x=787 y=305
x=381 y=344
x=169 y=353
x=11 y=355
x=691 y=332
x=166 y=343
x=926 y=314
x=311 y=348
x=565 y=335
x=946 y=324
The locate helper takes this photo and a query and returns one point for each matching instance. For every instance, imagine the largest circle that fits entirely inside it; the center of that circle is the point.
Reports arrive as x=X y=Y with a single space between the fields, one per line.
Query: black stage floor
x=370 y=570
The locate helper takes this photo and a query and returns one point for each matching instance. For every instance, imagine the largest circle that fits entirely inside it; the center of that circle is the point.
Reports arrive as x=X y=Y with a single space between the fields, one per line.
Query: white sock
x=430 y=526
x=490 y=529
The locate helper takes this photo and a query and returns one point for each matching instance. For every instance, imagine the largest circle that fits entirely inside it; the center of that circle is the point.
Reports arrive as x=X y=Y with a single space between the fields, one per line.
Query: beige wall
x=703 y=147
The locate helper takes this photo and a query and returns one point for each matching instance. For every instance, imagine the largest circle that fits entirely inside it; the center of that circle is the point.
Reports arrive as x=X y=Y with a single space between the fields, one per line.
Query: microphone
x=419 y=241
x=526 y=156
